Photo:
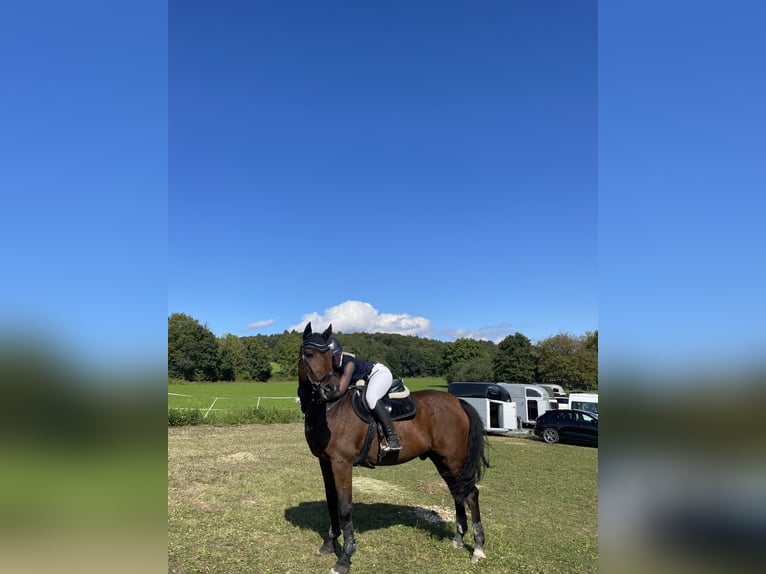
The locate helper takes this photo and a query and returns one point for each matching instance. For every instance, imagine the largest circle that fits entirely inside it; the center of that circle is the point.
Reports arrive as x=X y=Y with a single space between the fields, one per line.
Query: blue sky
x=384 y=167
x=458 y=161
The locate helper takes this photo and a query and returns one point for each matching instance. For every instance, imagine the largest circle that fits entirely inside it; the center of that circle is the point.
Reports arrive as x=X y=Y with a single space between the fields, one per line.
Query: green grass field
x=278 y=395
x=249 y=498
x=231 y=395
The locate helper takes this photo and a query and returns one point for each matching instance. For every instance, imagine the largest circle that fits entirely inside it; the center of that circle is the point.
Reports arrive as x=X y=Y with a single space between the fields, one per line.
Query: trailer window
x=533 y=393
x=498 y=394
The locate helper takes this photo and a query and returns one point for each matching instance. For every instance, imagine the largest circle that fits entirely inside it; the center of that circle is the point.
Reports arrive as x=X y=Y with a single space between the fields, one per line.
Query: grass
x=231 y=395
x=250 y=498
x=246 y=402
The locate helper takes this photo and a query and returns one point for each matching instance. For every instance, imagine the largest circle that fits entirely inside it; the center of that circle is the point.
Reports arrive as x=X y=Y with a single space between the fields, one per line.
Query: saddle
x=397 y=402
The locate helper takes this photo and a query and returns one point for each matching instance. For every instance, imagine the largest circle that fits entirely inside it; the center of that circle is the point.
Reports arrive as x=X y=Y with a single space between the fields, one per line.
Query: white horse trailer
x=531 y=400
x=584 y=402
x=492 y=402
x=499 y=417
x=558 y=393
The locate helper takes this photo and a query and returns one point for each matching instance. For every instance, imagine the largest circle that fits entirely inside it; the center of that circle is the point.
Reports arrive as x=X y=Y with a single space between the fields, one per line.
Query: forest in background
x=196 y=354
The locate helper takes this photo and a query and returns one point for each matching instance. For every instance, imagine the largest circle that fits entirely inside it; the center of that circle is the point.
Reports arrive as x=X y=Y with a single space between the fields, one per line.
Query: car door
x=584 y=428
x=566 y=425
x=589 y=428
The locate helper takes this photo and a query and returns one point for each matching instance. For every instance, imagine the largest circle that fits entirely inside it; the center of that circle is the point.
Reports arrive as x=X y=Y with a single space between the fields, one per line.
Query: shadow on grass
x=366 y=517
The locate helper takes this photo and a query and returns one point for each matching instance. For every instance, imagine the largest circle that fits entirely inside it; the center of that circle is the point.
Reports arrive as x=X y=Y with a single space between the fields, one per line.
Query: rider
x=379 y=379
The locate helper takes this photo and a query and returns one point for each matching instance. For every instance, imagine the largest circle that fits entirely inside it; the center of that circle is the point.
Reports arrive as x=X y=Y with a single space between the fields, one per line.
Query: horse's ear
x=307 y=331
x=327 y=332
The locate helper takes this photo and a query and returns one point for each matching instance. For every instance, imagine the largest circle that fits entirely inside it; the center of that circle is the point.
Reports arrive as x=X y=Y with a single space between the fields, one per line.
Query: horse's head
x=315 y=365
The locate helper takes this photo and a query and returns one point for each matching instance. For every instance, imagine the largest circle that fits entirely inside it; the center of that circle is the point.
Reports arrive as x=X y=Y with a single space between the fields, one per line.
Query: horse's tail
x=472 y=469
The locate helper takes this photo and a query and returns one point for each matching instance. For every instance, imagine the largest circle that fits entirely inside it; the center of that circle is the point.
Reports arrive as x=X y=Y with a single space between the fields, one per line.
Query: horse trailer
x=584 y=402
x=492 y=402
x=557 y=392
x=498 y=416
x=530 y=402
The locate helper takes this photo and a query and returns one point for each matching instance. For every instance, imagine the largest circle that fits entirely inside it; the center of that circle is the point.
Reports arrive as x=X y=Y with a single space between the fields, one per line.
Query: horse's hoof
x=342 y=565
x=326 y=548
x=477 y=556
x=456 y=544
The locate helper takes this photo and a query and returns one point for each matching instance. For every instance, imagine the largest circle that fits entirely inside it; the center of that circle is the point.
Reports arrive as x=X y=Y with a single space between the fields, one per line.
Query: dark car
x=567 y=425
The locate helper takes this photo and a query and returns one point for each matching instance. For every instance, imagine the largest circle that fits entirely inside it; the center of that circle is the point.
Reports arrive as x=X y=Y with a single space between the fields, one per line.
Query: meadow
x=247 y=402
x=249 y=498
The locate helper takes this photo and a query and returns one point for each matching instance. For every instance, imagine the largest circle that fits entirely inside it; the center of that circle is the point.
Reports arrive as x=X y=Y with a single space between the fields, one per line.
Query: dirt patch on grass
x=436 y=487
x=374 y=486
x=239 y=457
x=434 y=514
x=192 y=495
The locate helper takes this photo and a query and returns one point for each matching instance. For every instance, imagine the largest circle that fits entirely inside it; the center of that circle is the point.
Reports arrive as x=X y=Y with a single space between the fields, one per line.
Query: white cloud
x=258 y=324
x=361 y=317
x=494 y=333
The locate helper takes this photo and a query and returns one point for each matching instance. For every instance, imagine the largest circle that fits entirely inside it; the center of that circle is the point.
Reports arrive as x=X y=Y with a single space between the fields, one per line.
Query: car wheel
x=551 y=436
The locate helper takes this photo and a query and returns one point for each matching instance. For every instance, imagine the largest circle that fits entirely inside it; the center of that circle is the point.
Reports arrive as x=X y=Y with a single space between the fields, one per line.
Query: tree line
x=196 y=354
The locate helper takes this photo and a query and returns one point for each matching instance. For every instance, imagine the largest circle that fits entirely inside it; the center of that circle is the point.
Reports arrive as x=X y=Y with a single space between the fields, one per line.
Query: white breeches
x=378 y=384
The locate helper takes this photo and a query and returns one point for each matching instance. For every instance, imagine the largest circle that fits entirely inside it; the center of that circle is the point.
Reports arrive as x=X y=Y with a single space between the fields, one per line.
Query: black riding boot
x=381 y=415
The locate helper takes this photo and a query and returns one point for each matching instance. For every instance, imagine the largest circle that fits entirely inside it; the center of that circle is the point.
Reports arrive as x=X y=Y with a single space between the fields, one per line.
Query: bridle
x=315 y=381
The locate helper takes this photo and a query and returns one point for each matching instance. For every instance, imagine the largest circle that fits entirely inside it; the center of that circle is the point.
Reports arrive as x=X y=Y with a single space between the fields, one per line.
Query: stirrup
x=387 y=448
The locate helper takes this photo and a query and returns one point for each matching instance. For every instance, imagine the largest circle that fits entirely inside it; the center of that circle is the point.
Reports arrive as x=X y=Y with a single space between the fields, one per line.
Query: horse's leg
x=462 y=524
x=478 y=530
x=331 y=495
x=461 y=519
x=342 y=470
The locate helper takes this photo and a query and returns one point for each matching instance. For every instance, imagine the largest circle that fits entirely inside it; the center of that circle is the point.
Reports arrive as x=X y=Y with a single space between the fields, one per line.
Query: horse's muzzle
x=329 y=390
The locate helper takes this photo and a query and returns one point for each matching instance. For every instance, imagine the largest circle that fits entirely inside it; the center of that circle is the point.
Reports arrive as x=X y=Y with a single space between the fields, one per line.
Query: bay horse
x=444 y=429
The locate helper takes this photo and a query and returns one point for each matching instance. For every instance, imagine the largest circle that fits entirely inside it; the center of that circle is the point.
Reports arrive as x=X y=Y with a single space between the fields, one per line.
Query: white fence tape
x=216 y=399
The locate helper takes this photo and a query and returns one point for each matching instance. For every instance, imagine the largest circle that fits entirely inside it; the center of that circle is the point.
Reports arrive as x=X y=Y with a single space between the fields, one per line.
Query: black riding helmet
x=335 y=346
